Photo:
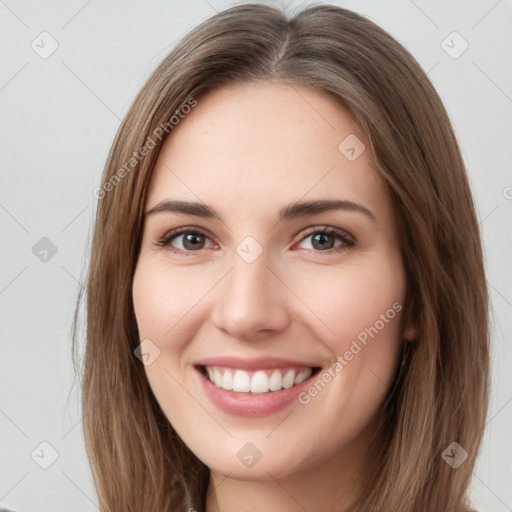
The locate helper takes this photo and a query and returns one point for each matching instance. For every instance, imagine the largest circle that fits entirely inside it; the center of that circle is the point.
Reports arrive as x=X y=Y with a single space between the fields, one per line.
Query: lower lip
x=245 y=404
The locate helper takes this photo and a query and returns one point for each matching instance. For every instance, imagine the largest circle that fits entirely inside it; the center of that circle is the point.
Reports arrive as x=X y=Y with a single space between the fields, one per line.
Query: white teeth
x=241 y=382
x=217 y=377
x=303 y=375
x=227 y=381
x=261 y=381
x=288 y=379
x=276 y=381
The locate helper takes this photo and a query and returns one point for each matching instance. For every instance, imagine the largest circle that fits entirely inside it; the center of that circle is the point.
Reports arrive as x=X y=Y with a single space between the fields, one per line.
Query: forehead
x=263 y=144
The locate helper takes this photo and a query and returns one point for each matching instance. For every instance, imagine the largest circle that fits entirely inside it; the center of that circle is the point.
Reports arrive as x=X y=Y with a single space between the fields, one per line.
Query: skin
x=247 y=151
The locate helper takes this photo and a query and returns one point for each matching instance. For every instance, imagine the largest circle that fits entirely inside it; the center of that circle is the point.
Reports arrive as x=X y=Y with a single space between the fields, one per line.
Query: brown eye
x=324 y=240
x=190 y=240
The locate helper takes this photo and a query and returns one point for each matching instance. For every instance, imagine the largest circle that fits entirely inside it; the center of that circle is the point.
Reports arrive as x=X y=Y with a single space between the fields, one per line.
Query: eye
x=193 y=240
x=322 y=239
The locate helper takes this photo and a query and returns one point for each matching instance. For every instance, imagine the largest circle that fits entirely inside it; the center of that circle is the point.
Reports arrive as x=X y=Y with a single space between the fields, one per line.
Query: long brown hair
x=441 y=395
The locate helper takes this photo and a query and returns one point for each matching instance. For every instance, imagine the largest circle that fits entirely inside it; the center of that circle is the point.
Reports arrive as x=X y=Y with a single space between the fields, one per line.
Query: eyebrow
x=320 y=206
x=291 y=211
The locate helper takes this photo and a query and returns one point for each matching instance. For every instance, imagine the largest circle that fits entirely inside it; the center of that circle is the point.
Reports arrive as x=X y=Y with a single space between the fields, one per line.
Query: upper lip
x=257 y=363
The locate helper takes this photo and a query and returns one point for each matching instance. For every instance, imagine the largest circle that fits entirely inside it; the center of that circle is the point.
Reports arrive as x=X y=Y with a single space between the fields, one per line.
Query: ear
x=411 y=332
x=410 y=322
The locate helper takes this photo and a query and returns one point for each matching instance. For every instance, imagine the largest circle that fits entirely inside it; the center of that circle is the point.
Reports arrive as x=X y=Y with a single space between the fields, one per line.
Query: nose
x=251 y=300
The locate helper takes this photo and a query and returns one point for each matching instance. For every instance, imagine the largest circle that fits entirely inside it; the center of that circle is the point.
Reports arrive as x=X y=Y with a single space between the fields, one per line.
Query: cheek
x=163 y=300
x=356 y=303
x=361 y=320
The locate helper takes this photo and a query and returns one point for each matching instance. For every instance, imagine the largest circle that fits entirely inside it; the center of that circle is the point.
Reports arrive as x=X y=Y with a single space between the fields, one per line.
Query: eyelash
x=347 y=241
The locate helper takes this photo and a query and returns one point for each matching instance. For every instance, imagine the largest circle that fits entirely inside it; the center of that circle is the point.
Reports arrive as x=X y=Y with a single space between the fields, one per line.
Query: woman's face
x=299 y=331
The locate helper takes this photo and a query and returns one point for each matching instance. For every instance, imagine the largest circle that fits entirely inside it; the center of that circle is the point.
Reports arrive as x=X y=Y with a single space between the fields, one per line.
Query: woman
x=287 y=306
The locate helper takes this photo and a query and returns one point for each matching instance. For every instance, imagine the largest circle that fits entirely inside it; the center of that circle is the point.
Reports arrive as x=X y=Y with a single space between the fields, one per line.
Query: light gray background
x=58 y=119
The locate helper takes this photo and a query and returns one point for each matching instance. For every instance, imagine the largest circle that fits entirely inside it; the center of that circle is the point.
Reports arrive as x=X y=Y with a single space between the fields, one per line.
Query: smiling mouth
x=259 y=381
